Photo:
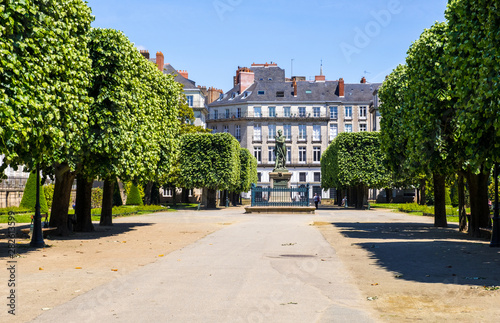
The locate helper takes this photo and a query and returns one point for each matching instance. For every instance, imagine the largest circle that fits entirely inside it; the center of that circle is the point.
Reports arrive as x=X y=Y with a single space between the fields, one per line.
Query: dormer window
x=270 y=79
x=246 y=94
x=233 y=95
x=221 y=96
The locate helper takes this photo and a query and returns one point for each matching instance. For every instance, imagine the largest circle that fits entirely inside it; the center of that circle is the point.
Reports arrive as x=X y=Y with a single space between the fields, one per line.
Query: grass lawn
x=416 y=209
x=125 y=210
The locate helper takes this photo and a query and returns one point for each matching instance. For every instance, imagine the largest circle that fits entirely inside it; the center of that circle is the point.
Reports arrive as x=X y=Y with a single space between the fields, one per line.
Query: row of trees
x=82 y=102
x=440 y=110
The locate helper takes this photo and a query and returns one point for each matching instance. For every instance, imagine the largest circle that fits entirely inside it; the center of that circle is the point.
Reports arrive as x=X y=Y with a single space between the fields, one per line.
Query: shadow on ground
x=423 y=253
x=22 y=244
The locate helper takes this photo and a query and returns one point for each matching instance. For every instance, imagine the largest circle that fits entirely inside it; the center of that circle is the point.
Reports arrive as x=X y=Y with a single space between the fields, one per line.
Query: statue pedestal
x=280 y=180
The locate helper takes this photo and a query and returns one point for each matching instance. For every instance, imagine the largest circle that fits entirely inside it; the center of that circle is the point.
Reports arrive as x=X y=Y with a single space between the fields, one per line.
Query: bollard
x=199 y=206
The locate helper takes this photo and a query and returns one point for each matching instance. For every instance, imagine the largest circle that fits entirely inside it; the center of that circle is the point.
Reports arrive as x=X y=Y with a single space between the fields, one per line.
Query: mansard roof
x=188 y=84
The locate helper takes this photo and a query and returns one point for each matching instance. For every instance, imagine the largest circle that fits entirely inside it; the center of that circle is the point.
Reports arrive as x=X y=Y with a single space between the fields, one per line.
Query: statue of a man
x=280 y=151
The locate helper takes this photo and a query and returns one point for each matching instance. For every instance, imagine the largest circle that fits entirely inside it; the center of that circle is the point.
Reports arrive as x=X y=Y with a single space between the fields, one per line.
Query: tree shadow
x=22 y=244
x=422 y=253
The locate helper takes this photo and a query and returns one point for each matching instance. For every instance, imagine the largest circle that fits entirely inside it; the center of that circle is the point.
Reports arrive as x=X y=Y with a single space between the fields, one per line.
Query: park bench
x=45 y=231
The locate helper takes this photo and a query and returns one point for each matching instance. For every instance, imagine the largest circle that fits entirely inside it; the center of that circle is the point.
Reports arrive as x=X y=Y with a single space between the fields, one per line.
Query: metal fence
x=267 y=196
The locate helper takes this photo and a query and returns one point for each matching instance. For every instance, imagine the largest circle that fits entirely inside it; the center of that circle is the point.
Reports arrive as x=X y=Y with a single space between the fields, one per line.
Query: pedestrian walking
x=317 y=200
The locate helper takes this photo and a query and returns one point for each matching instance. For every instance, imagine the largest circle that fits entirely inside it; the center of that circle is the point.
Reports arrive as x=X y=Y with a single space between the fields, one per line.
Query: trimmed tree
x=44 y=68
x=355 y=160
x=209 y=161
x=29 y=196
x=134 y=196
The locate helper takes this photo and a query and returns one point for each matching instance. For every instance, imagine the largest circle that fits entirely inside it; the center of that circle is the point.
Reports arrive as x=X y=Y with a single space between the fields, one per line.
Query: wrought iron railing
x=278 y=196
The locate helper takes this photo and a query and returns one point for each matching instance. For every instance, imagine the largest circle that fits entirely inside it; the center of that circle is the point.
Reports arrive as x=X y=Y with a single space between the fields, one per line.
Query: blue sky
x=211 y=38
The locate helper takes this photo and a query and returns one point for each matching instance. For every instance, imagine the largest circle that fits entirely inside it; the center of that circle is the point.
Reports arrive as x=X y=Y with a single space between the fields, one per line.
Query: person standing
x=316 y=199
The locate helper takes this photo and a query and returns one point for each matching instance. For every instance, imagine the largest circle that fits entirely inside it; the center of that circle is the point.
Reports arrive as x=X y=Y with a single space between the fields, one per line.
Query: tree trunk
x=439 y=201
x=107 y=203
x=423 y=198
x=174 y=195
x=480 y=212
x=360 y=195
x=60 y=203
x=462 y=214
x=147 y=193
x=211 y=199
x=388 y=195
x=83 y=204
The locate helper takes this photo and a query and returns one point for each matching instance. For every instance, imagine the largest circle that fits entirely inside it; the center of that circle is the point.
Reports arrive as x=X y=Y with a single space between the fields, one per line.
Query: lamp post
x=495 y=235
x=37 y=237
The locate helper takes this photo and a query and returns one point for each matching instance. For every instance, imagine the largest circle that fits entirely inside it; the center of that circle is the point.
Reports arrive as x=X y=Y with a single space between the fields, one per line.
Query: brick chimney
x=145 y=53
x=363 y=80
x=244 y=78
x=340 y=89
x=294 y=84
x=160 y=61
x=319 y=78
x=183 y=73
x=213 y=94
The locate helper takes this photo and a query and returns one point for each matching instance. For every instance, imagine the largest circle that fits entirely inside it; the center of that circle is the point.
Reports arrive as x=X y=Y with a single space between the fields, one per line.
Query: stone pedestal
x=280 y=179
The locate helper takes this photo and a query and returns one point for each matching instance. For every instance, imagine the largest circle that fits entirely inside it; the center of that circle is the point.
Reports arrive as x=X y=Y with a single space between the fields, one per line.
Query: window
x=333 y=113
x=302 y=176
x=271 y=130
x=214 y=129
x=333 y=131
x=261 y=92
x=272 y=112
x=237 y=132
x=362 y=127
x=287 y=131
x=189 y=100
x=288 y=155
x=238 y=113
x=280 y=94
x=272 y=157
x=286 y=111
x=317 y=133
x=316 y=154
x=302 y=154
x=259 y=177
x=362 y=112
x=227 y=113
x=348 y=112
x=317 y=176
x=167 y=192
x=316 y=112
x=226 y=129
x=257 y=153
x=302 y=111
x=302 y=132
x=348 y=128
x=257 y=133
x=216 y=114
x=257 y=112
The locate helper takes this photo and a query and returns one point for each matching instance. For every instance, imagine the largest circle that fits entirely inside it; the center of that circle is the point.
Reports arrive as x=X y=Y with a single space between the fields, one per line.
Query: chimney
x=245 y=78
x=363 y=80
x=183 y=73
x=213 y=94
x=294 y=80
x=145 y=53
x=203 y=90
x=319 y=78
x=160 y=61
x=340 y=88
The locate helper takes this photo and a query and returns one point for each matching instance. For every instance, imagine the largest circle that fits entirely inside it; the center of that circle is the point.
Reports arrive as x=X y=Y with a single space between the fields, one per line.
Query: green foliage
x=209 y=161
x=96 y=198
x=29 y=196
x=472 y=54
x=447 y=198
x=354 y=159
x=48 y=191
x=134 y=197
x=248 y=171
x=44 y=68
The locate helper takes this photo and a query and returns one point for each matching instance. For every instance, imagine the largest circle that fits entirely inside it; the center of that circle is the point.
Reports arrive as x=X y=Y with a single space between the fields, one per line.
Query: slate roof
x=188 y=84
x=307 y=91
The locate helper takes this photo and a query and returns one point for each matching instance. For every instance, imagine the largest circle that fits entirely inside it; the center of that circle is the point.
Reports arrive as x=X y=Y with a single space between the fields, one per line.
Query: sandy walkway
x=69 y=267
x=410 y=271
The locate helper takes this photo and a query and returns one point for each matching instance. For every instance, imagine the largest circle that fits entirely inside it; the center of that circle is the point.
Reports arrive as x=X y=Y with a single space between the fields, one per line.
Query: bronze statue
x=280 y=152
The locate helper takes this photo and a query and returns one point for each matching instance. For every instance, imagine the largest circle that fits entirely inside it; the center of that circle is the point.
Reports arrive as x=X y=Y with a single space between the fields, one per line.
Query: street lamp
x=37 y=237
x=495 y=235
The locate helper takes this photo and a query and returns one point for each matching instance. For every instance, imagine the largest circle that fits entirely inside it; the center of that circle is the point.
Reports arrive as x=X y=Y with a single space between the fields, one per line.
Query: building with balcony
x=310 y=114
